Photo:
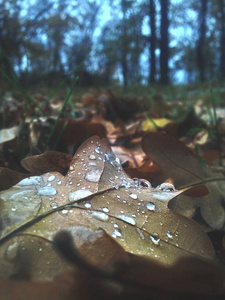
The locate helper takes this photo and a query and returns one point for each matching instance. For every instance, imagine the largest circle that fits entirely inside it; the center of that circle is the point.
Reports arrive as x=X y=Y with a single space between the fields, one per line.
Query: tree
x=152 y=63
x=200 y=47
x=164 y=42
x=222 y=38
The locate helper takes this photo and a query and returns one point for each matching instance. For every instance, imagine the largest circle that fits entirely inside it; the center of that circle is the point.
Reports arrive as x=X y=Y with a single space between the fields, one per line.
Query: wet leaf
x=96 y=193
x=177 y=161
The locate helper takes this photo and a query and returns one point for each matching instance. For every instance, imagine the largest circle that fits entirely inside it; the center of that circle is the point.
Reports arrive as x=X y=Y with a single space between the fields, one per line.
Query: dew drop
x=105 y=209
x=40 y=249
x=64 y=211
x=14 y=209
x=150 y=206
x=47 y=191
x=92 y=157
x=87 y=205
x=79 y=194
x=113 y=160
x=54 y=205
x=169 y=235
x=117 y=233
x=98 y=150
x=126 y=219
x=12 y=251
x=51 y=178
x=93 y=175
x=100 y=215
x=133 y=196
x=30 y=180
x=155 y=239
x=166 y=187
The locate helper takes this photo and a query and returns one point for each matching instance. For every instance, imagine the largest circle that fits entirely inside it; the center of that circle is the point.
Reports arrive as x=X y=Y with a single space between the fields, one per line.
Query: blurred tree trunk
x=222 y=39
x=201 y=41
x=164 y=42
x=124 y=45
x=152 y=62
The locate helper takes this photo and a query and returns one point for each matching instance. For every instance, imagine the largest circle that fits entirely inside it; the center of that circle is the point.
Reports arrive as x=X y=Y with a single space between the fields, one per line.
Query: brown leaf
x=47 y=162
x=94 y=194
x=178 y=162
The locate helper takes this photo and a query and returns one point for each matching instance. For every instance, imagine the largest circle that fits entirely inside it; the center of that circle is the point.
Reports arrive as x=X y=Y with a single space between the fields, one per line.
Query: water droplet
x=125 y=183
x=71 y=168
x=100 y=215
x=169 y=234
x=98 y=150
x=87 y=205
x=155 y=239
x=115 y=225
x=166 y=187
x=40 y=249
x=150 y=206
x=12 y=251
x=84 y=151
x=140 y=233
x=117 y=233
x=118 y=196
x=133 y=196
x=92 y=156
x=30 y=180
x=13 y=209
x=126 y=219
x=51 y=178
x=47 y=191
x=94 y=174
x=79 y=194
x=105 y=209
x=65 y=211
x=54 y=205
x=59 y=182
x=113 y=160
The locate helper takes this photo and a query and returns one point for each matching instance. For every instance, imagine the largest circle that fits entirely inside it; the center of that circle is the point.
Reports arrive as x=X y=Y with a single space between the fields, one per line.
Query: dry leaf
x=177 y=161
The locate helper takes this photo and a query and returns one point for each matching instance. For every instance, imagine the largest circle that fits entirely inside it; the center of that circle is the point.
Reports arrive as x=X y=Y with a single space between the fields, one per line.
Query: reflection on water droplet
x=150 y=206
x=12 y=251
x=47 y=191
x=100 y=215
x=133 y=196
x=64 y=211
x=40 y=249
x=155 y=239
x=79 y=194
x=113 y=160
x=169 y=234
x=54 y=205
x=84 y=151
x=98 y=150
x=87 y=205
x=115 y=225
x=167 y=187
x=30 y=180
x=105 y=209
x=13 y=209
x=92 y=156
x=140 y=233
x=51 y=178
x=93 y=175
x=126 y=219
x=117 y=233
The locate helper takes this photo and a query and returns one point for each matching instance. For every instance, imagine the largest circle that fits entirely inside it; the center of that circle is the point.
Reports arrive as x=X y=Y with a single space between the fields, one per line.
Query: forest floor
x=173 y=136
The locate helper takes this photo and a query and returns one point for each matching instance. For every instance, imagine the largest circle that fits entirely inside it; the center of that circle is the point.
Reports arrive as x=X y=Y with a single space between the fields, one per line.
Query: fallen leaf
x=96 y=193
x=177 y=161
x=8 y=134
